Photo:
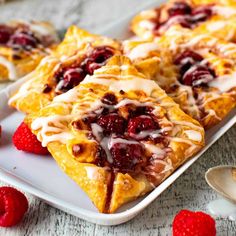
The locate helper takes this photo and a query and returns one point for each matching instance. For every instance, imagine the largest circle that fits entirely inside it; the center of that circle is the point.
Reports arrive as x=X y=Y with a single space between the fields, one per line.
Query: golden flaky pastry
x=117 y=134
x=197 y=71
x=202 y=16
x=22 y=46
x=78 y=55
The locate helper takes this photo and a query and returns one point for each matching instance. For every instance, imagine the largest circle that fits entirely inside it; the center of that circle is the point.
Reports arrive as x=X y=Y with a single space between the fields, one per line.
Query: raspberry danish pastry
x=79 y=54
x=197 y=71
x=22 y=46
x=210 y=16
x=117 y=134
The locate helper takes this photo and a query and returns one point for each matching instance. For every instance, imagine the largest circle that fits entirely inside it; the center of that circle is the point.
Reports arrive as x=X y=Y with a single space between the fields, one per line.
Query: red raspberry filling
x=112 y=123
x=5 y=33
x=23 y=39
x=119 y=136
x=179 y=8
x=192 y=72
x=69 y=77
x=127 y=156
x=140 y=123
x=97 y=58
x=182 y=13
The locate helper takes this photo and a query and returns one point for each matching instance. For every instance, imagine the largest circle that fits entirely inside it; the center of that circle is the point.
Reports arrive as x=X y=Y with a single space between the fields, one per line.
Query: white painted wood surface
x=190 y=191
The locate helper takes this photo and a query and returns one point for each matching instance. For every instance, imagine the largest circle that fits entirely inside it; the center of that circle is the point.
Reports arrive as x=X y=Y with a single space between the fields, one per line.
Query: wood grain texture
x=189 y=191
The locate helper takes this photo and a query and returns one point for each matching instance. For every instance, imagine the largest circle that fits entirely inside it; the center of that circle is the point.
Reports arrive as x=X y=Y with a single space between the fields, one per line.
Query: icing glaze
x=12 y=73
x=146 y=24
x=224 y=83
x=194 y=135
x=142 y=50
x=135 y=83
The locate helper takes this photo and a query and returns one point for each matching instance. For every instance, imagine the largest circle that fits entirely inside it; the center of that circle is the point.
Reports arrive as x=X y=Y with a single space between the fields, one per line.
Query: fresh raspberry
x=140 y=123
x=25 y=140
x=13 y=206
x=188 y=223
x=112 y=123
x=127 y=156
x=179 y=8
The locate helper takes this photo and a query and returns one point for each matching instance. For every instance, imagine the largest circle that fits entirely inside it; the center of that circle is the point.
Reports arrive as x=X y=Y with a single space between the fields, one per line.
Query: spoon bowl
x=222 y=179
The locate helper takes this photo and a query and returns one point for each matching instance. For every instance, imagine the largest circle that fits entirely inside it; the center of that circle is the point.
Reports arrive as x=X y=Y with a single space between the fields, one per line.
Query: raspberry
x=13 y=206
x=201 y=13
x=25 y=140
x=188 y=223
x=23 y=39
x=140 y=123
x=97 y=58
x=5 y=33
x=127 y=156
x=197 y=75
x=71 y=78
x=179 y=8
x=188 y=56
x=112 y=123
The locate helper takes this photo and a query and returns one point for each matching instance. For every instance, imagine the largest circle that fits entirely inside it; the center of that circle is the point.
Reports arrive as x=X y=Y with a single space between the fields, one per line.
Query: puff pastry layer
x=196 y=70
x=22 y=46
x=202 y=16
x=78 y=55
x=117 y=134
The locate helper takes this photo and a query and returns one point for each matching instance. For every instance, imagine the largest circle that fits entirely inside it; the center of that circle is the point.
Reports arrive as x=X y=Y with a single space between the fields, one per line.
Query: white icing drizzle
x=105 y=145
x=225 y=11
x=188 y=124
x=216 y=25
x=135 y=83
x=142 y=50
x=192 y=146
x=93 y=172
x=56 y=125
x=154 y=134
x=127 y=101
x=158 y=152
x=12 y=73
x=68 y=97
x=224 y=83
x=113 y=141
x=28 y=86
x=146 y=24
x=194 y=135
x=97 y=131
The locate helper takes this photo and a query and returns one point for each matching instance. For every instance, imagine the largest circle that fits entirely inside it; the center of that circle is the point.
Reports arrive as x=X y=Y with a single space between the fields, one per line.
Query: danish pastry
x=117 y=134
x=22 y=46
x=197 y=71
x=79 y=54
x=203 y=16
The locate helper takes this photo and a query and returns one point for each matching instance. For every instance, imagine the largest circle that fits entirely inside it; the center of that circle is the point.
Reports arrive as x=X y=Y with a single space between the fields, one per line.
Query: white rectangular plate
x=42 y=177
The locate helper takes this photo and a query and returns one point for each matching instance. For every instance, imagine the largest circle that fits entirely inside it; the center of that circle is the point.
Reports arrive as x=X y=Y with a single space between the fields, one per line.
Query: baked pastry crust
x=202 y=16
x=48 y=80
x=208 y=102
x=17 y=60
x=70 y=126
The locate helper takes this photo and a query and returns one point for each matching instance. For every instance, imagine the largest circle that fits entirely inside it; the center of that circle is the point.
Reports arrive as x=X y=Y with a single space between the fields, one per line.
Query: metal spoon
x=223 y=180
